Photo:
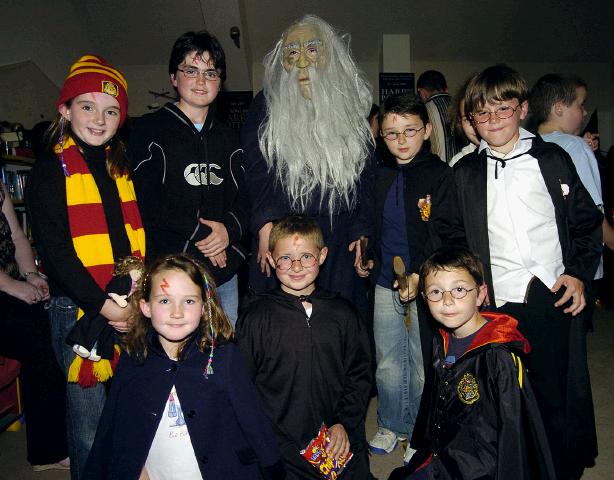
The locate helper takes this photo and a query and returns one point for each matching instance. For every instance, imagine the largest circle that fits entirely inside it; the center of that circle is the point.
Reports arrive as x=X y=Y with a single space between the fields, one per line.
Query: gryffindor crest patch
x=467 y=388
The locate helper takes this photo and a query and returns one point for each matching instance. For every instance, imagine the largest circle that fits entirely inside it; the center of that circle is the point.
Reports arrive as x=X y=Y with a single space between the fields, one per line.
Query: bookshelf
x=14 y=171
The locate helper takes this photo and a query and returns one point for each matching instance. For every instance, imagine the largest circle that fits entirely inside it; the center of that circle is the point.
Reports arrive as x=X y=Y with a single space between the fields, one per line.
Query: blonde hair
x=305 y=227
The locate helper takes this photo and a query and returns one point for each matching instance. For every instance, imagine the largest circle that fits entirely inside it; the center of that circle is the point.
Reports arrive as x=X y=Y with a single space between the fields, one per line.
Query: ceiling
x=141 y=32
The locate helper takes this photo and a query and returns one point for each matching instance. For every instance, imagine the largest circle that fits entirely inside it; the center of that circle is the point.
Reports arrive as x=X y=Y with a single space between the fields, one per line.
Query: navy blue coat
x=232 y=438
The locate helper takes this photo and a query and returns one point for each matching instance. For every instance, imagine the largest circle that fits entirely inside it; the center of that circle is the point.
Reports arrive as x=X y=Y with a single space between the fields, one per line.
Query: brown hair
x=302 y=226
x=495 y=84
x=455 y=112
x=550 y=89
x=448 y=258
x=135 y=341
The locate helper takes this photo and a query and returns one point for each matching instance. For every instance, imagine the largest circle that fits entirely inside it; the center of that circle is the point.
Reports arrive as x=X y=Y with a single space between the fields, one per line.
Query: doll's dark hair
x=214 y=328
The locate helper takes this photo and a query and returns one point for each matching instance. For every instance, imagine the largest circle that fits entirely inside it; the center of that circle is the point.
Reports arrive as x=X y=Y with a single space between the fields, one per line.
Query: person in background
x=557 y=104
x=26 y=337
x=433 y=90
x=462 y=125
x=188 y=170
x=85 y=219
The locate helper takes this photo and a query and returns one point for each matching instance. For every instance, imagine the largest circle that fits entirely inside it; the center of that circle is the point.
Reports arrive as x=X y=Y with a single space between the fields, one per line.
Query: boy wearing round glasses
x=483 y=420
x=308 y=354
x=538 y=233
x=188 y=169
x=415 y=211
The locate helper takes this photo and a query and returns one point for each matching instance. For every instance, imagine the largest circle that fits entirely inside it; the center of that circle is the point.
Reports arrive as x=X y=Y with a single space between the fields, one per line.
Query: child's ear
x=64 y=111
x=524 y=110
x=173 y=77
x=557 y=109
x=428 y=129
x=322 y=256
x=269 y=257
x=145 y=307
x=482 y=294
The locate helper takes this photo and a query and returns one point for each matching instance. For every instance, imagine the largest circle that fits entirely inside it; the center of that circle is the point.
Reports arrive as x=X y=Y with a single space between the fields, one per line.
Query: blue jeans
x=400 y=371
x=228 y=294
x=84 y=405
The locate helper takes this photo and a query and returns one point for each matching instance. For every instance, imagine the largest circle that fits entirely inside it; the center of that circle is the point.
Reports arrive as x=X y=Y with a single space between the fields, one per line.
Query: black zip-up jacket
x=483 y=420
x=425 y=175
x=309 y=371
x=181 y=174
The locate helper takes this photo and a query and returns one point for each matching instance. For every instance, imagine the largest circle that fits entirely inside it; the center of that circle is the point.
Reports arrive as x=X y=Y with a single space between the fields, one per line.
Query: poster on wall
x=394 y=84
x=232 y=107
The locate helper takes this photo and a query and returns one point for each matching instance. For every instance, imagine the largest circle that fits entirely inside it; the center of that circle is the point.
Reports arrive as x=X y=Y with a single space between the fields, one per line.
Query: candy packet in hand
x=315 y=454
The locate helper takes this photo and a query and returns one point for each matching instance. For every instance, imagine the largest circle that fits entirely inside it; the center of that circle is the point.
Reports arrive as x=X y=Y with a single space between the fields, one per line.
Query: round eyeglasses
x=284 y=262
x=502 y=112
x=408 y=132
x=436 y=295
x=191 y=72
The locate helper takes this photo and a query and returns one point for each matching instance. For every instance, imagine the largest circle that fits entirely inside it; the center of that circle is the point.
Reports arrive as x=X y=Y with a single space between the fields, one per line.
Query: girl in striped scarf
x=85 y=219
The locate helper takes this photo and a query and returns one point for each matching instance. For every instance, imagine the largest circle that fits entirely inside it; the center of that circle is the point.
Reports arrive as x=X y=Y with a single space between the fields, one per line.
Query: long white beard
x=316 y=146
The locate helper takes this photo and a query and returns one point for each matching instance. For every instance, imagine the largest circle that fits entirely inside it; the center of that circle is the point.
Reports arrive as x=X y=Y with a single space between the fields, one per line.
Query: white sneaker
x=384 y=442
x=409 y=452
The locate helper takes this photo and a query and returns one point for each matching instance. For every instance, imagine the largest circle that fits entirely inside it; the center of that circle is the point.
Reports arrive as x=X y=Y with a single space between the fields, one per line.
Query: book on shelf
x=15 y=181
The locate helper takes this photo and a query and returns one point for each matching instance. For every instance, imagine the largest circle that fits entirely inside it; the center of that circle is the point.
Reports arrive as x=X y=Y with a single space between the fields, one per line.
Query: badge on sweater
x=424 y=205
x=467 y=389
x=110 y=88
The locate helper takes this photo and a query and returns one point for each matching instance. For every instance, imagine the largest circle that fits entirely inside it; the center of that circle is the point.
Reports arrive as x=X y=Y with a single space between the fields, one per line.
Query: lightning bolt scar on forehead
x=164 y=285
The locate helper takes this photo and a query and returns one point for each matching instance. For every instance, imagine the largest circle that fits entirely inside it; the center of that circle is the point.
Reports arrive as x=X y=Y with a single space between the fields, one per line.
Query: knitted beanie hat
x=93 y=74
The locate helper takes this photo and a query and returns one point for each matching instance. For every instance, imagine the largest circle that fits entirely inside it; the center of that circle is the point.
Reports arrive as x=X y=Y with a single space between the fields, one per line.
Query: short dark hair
x=300 y=225
x=550 y=89
x=199 y=42
x=448 y=258
x=432 y=80
x=495 y=84
x=403 y=104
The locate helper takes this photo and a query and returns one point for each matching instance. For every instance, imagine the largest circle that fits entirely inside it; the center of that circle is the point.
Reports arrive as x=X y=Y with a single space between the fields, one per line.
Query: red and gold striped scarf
x=90 y=237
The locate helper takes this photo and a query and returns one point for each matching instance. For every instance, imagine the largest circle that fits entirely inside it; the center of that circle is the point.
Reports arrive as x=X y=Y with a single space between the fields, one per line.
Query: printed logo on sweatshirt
x=468 y=391
x=196 y=174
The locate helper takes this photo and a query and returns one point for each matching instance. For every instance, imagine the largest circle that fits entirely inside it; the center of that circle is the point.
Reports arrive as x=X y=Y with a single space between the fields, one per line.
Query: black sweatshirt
x=46 y=199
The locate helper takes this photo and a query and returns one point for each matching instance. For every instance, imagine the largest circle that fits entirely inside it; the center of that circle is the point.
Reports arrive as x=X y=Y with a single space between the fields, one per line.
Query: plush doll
x=92 y=337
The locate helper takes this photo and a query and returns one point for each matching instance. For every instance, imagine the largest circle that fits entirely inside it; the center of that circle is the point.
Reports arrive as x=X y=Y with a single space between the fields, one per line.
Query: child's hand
x=592 y=140
x=339 y=443
x=574 y=289
x=411 y=292
x=364 y=272
x=216 y=242
x=219 y=260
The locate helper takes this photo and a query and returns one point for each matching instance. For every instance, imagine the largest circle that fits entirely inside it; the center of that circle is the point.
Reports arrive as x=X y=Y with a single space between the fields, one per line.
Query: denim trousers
x=228 y=294
x=398 y=353
x=84 y=405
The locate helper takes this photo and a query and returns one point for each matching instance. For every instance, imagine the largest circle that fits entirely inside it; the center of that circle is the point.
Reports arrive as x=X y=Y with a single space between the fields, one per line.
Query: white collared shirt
x=522 y=230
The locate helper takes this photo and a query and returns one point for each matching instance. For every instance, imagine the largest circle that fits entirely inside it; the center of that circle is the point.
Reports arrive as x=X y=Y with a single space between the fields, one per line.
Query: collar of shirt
x=522 y=145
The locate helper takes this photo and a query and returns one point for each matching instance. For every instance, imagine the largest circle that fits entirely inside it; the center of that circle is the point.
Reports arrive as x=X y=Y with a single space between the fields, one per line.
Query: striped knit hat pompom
x=92 y=73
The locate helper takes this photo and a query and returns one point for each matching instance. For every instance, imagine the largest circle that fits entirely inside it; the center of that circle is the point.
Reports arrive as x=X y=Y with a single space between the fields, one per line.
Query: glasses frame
x=300 y=260
x=405 y=133
x=466 y=290
x=204 y=73
x=496 y=113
